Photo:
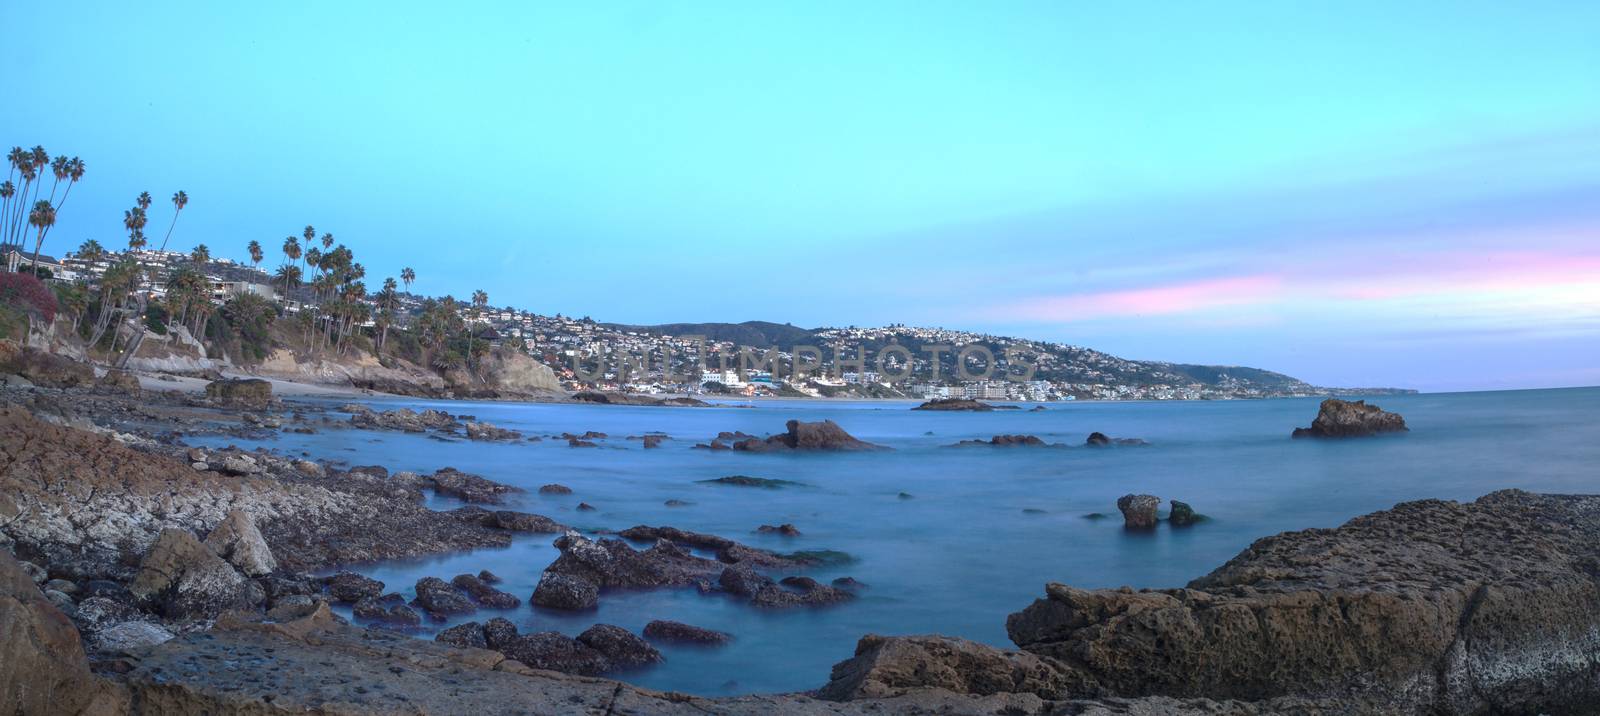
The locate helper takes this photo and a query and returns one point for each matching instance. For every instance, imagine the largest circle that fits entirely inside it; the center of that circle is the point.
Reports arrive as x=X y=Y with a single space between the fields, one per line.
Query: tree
x=291 y=252
x=256 y=254
x=134 y=220
x=91 y=251
x=386 y=316
x=200 y=255
x=327 y=241
x=407 y=276
x=179 y=200
x=7 y=190
x=74 y=173
x=41 y=218
x=289 y=274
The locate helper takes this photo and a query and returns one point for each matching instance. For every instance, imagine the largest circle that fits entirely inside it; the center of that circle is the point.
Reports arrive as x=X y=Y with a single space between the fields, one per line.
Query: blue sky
x=1353 y=193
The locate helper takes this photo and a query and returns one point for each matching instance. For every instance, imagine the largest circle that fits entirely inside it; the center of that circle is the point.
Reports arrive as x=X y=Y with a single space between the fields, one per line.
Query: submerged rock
x=748 y=481
x=482 y=593
x=440 y=598
x=1098 y=439
x=1344 y=419
x=387 y=609
x=1138 y=511
x=1004 y=441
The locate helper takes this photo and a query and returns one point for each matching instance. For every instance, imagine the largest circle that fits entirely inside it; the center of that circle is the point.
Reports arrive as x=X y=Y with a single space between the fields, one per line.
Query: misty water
x=960 y=554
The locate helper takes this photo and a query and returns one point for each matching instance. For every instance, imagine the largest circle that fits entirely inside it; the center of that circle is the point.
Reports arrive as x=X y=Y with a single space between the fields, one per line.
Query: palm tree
x=134 y=220
x=91 y=251
x=74 y=173
x=291 y=250
x=144 y=200
x=327 y=241
x=387 y=316
x=407 y=276
x=41 y=218
x=200 y=255
x=7 y=190
x=290 y=275
x=61 y=170
x=21 y=162
x=179 y=200
x=256 y=254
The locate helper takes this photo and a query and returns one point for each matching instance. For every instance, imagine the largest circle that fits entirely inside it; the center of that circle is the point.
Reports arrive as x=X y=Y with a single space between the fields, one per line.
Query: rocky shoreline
x=150 y=577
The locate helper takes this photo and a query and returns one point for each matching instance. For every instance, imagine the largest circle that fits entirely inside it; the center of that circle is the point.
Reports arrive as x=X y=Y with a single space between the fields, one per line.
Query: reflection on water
x=961 y=553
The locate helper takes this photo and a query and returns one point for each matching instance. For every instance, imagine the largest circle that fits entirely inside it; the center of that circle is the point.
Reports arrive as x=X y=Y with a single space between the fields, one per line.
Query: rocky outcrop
x=613 y=398
x=43 y=368
x=510 y=371
x=118 y=381
x=823 y=435
x=402 y=419
x=91 y=507
x=562 y=591
x=43 y=669
x=1345 y=419
x=965 y=404
x=1430 y=607
x=484 y=594
x=483 y=431
x=1098 y=439
x=469 y=488
x=440 y=598
x=1139 y=511
x=1182 y=515
x=240 y=392
x=622 y=648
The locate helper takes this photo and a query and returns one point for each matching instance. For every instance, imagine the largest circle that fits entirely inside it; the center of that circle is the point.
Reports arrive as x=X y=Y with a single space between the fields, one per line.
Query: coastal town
x=894 y=361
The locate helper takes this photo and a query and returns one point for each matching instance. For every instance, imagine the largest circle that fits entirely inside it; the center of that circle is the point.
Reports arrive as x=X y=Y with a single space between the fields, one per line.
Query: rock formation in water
x=1345 y=419
x=240 y=392
x=966 y=404
x=824 y=435
x=1138 y=511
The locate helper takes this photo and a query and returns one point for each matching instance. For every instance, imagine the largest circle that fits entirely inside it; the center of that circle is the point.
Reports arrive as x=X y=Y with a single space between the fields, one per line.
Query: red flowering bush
x=29 y=294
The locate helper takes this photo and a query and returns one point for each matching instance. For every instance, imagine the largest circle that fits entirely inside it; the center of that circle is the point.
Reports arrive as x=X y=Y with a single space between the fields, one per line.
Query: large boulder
x=817 y=436
x=562 y=591
x=43 y=669
x=1345 y=419
x=44 y=369
x=238 y=541
x=182 y=578
x=242 y=392
x=892 y=666
x=349 y=587
x=1138 y=511
x=440 y=598
x=1430 y=607
x=512 y=371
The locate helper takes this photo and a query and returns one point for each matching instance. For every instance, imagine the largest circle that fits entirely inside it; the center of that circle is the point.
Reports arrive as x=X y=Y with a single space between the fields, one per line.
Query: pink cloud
x=1156 y=300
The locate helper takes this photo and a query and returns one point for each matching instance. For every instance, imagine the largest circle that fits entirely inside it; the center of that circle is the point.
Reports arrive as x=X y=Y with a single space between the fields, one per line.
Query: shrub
x=28 y=294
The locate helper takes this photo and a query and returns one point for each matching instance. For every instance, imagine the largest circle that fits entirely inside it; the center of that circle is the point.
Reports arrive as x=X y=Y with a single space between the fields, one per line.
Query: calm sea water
x=961 y=554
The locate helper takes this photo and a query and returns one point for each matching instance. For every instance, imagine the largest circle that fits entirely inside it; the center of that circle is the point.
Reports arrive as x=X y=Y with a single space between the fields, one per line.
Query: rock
x=677 y=503
x=557 y=652
x=482 y=593
x=61 y=585
x=485 y=431
x=240 y=392
x=43 y=669
x=581 y=443
x=653 y=441
x=955 y=404
x=403 y=419
x=34 y=572
x=182 y=578
x=554 y=489
x=469 y=634
x=1138 y=511
x=1101 y=440
x=439 y=597
x=511 y=520
x=560 y=591
x=509 y=370
x=118 y=381
x=1182 y=515
x=748 y=481
x=817 y=436
x=614 y=398
x=848 y=583
x=893 y=666
x=1005 y=441
x=1429 y=607
x=96 y=613
x=488 y=577
x=907 y=496
x=349 y=587
x=62 y=600
x=237 y=540
x=622 y=648
x=129 y=636
x=680 y=633
x=292 y=607
x=764 y=592
x=469 y=488
x=585 y=507
x=787 y=530
x=499 y=632
x=1343 y=419
x=388 y=609
x=613 y=564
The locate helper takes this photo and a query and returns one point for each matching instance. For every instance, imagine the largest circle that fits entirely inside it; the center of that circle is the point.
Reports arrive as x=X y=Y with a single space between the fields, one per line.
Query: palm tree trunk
x=64 y=195
x=169 y=228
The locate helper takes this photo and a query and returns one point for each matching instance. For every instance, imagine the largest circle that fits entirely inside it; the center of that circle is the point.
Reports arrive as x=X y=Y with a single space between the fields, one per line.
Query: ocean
x=960 y=553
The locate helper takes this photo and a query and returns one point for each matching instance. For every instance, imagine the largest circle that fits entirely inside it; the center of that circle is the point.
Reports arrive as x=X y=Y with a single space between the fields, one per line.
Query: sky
x=1356 y=193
